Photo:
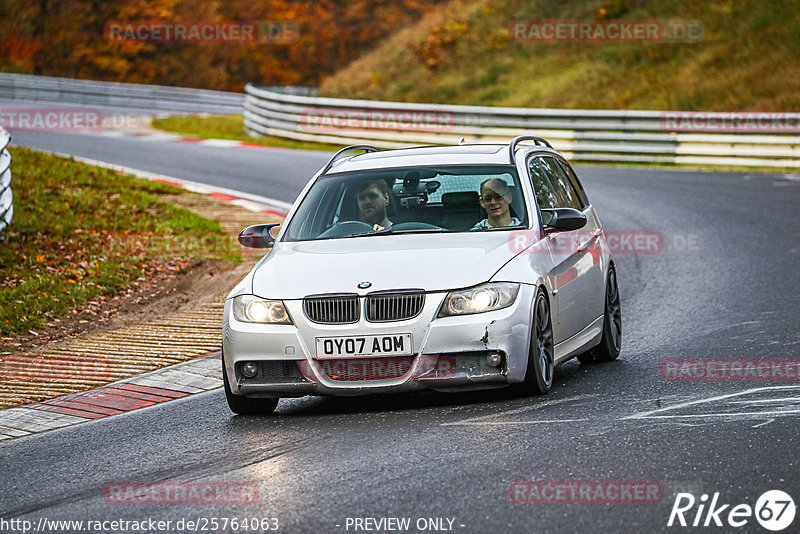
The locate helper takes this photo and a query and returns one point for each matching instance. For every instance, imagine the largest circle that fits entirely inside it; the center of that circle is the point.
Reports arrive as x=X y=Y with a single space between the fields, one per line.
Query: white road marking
x=759 y=401
x=248 y=204
x=768 y=421
x=478 y=423
x=730 y=414
x=224 y=143
x=482 y=418
x=157 y=137
x=657 y=414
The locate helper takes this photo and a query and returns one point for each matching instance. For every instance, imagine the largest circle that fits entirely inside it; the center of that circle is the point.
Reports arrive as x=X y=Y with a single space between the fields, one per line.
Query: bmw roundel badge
x=364 y=285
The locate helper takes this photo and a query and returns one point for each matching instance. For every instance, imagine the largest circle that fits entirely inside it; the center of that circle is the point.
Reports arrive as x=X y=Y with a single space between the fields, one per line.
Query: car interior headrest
x=461 y=199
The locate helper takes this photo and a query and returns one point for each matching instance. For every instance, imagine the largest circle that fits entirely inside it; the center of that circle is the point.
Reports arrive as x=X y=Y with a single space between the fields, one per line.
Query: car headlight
x=252 y=309
x=488 y=297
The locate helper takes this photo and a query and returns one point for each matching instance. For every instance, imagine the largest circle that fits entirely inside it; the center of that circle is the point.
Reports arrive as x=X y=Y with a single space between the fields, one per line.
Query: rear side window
x=542 y=185
x=566 y=194
x=574 y=182
x=552 y=186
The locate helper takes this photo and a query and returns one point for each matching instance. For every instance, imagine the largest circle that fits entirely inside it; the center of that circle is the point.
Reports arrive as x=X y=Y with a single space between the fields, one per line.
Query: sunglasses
x=490 y=198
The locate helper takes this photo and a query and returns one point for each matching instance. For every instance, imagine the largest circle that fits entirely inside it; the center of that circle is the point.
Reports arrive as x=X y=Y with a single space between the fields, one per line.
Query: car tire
x=541 y=354
x=611 y=340
x=242 y=405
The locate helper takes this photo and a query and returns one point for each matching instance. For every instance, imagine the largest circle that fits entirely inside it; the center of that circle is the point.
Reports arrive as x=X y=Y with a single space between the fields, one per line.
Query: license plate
x=388 y=345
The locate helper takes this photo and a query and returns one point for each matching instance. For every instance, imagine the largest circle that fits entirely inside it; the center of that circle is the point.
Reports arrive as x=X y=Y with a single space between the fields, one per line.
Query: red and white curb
x=176 y=138
x=174 y=382
x=247 y=201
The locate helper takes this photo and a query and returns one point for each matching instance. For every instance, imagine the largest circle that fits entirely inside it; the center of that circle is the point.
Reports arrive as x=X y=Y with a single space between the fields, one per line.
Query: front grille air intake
x=362 y=369
x=385 y=307
x=276 y=369
x=332 y=309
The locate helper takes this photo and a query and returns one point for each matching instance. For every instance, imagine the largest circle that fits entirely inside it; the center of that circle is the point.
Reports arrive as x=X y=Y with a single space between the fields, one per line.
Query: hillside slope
x=748 y=58
x=270 y=42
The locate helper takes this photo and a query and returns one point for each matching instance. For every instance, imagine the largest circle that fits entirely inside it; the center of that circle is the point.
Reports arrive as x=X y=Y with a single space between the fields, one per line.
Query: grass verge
x=81 y=231
x=230 y=127
x=467 y=52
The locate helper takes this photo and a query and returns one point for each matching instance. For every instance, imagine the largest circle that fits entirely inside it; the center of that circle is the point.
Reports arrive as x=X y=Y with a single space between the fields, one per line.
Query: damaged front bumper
x=448 y=354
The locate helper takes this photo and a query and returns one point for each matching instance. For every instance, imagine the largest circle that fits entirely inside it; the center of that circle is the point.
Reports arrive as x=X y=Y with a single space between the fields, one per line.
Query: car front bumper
x=447 y=354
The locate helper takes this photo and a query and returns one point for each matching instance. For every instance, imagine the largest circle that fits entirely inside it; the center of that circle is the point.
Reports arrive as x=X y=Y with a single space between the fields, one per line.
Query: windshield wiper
x=493 y=228
x=355 y=234
x=391 y=230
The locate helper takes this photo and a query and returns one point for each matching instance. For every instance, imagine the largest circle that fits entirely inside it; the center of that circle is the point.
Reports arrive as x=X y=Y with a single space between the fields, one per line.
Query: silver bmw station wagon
x=445 y=268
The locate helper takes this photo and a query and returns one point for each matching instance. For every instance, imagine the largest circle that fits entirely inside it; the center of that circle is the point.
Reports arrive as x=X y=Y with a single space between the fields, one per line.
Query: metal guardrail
x=6 y=197
x=125 y=95
x=582 y=135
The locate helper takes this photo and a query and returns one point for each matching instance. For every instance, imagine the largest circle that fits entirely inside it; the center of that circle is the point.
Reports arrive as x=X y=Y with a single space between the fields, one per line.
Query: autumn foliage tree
x=66 y=38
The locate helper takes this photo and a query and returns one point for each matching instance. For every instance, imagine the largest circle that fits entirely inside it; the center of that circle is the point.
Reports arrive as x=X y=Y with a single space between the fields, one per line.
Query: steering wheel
x=344 y=228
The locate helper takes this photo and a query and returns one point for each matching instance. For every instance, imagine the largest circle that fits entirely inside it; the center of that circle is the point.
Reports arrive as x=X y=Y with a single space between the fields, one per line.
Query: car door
x=577 y=276
x=594 y=297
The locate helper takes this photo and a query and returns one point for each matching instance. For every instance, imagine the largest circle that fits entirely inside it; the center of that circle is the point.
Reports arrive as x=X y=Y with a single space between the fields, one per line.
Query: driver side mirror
x=563 y=219
x=257 y=236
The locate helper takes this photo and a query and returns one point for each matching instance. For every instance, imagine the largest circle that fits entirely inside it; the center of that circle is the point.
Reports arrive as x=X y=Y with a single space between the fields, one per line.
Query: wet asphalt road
x=726 y=284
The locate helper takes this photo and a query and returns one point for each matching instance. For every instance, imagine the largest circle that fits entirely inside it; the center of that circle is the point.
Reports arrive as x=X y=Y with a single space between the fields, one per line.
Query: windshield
x=456 y=198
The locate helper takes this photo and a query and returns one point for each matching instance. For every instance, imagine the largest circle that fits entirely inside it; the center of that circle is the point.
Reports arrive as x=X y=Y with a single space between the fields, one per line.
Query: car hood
x=294 y=270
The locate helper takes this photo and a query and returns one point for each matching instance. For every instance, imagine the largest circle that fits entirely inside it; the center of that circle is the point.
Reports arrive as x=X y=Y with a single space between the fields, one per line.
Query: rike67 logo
x=774 y=510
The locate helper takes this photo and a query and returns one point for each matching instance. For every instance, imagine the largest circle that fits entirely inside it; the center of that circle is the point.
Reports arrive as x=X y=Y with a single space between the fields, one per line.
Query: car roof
x=476 y=154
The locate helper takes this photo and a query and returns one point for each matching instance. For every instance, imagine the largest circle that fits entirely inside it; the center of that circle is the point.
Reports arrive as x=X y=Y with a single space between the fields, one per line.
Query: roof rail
x=512 y=146
x=365 y=148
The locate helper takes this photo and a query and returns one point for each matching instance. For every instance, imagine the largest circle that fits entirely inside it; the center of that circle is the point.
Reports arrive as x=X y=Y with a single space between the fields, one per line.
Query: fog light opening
x=249 y=369
x=494 y=359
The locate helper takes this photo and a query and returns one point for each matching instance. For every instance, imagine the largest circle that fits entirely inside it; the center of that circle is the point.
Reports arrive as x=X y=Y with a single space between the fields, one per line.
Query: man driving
x=496 y=200
x=373 y=199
